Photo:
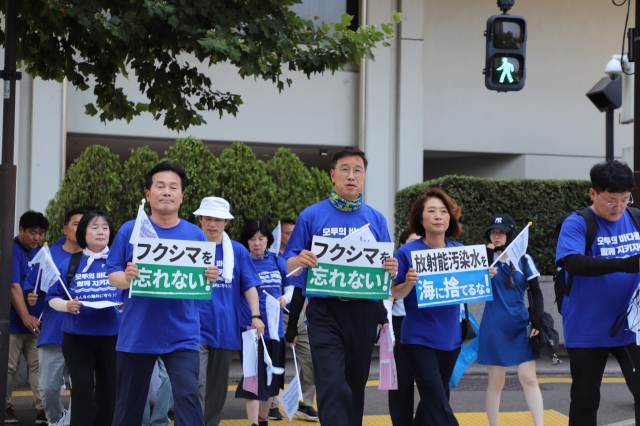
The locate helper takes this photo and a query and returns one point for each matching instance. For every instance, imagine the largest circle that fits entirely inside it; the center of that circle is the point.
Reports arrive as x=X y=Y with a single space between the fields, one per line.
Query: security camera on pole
x=506 y=47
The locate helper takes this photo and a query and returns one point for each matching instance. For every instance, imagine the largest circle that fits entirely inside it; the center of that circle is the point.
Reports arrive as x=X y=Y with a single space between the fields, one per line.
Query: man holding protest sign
x=158 y=325
x=342 y=329
x=219 y=314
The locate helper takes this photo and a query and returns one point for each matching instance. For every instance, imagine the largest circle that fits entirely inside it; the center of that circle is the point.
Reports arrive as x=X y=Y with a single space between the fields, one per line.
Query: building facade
x=420 y=110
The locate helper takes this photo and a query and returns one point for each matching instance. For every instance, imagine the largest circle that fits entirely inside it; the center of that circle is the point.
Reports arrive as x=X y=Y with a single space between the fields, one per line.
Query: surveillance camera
x=613 y=68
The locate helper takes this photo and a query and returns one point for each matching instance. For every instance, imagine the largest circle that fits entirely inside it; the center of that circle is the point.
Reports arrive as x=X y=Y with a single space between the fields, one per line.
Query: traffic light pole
x=609 y=133
x=8 y=179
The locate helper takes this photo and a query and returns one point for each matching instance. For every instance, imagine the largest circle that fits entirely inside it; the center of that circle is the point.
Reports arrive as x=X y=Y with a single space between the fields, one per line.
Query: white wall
x=569 y=43
x=320 y=111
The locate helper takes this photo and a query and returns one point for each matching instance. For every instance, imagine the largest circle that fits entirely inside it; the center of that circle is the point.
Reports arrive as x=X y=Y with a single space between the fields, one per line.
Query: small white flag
x=48 y=272
x=143 y=227
x=277 y=238
x=517 y=248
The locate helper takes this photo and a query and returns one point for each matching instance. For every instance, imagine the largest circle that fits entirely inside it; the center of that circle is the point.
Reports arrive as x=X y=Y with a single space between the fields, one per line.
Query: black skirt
x=277 y=352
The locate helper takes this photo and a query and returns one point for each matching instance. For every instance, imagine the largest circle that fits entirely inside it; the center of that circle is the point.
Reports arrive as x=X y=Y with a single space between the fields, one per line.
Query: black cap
x=503 y=222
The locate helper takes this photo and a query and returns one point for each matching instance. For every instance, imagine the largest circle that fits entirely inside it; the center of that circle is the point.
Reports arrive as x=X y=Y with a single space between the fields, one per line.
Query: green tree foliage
x=133 y=172
x=542 y=202
x=323 y=183
x=202 y=171
x=94 y=179
x=243 y=181
x=91 y=40
x=295 y=187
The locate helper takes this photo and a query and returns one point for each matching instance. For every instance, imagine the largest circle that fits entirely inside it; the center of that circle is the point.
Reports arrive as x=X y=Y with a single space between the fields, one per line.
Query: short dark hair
x=33 y=219
x=250 y=229
x=73 y=212
x=165 y=166
x=287 y=222
x=404 y=236
x=81 y=232
x=612 y=176
x=415 y=216
x=349 y=151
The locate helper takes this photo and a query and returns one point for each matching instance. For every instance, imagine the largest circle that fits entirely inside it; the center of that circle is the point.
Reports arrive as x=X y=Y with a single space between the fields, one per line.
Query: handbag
x=546 y=343
x=468 y=332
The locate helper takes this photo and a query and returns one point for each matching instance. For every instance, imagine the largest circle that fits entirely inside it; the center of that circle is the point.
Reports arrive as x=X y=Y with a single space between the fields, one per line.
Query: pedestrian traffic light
x=505 y=59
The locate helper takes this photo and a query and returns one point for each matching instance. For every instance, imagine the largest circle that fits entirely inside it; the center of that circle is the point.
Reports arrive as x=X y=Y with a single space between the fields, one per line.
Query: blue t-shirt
x=153 y=325
x=272 y=272
x=326 y=221
x=91 y=285
x=220 y=317
x=19 y=273
x=595 y=302
x=51 y=328
x=436 y=327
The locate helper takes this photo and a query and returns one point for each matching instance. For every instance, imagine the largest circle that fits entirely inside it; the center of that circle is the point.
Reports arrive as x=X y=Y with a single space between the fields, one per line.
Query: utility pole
x=8 y=181
x=636 y=106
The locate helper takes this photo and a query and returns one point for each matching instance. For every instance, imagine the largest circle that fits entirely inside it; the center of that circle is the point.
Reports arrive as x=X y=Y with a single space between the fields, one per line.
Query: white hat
x=214 y=207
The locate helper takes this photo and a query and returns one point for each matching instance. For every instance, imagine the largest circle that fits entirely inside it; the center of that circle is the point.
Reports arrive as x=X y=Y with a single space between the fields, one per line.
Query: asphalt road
x=616 y=404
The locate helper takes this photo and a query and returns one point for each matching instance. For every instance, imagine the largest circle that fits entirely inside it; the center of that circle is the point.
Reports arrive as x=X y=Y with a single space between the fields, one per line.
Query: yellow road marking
x=377 y=382
x=523 y=418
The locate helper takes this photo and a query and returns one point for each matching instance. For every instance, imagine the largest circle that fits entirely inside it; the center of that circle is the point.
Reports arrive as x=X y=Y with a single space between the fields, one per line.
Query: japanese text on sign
x=348 y=268
x=173 y=268
x=452 y=275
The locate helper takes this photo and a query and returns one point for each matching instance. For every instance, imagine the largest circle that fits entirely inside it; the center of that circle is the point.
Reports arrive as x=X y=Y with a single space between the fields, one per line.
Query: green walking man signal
x=506 y=69
x=506 y=53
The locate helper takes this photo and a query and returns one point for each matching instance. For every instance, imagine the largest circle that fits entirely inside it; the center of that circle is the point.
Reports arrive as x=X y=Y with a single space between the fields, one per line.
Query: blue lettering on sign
x=453 y=288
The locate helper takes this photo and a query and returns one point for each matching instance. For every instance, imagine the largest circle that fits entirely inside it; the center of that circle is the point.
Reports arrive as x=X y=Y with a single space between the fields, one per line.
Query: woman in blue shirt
x=506 y=324
x=431 y=337
x=257 y=237
x=90 y=333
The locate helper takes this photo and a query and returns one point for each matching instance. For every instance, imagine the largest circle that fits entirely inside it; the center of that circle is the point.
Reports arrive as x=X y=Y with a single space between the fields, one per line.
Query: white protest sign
x=273 y=316
x=173 y=269
x=250 y=361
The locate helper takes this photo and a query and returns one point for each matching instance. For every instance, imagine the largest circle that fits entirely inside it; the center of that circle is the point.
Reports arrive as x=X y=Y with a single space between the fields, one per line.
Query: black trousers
x=134 y=377
x=432 y=370
x=88 y=357
x=342 y=335
x=401 y=400
x=587 y=367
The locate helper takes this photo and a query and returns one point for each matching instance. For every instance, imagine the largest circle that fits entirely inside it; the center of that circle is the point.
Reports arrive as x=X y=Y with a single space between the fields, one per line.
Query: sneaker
x=307 y=412
x=10 y=416
x=275 y=414
x=41 y=418
x=263 y=422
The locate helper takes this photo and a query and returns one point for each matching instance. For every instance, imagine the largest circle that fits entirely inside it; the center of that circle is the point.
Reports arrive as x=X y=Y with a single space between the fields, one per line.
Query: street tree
x=92 y=42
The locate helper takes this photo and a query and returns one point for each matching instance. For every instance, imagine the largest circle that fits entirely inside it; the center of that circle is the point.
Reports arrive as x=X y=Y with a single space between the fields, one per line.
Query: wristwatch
x=257 y=316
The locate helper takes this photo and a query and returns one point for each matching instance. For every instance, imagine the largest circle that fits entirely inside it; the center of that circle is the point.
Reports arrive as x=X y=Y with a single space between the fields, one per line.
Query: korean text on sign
x=349 y=268
x=173 y=269
x=452 y=275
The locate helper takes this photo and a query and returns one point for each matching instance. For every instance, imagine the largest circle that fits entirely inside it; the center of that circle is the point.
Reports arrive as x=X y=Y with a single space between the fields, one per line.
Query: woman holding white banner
x=506 y=325
x=89 y=341
x=431 y=337
x=274 y=293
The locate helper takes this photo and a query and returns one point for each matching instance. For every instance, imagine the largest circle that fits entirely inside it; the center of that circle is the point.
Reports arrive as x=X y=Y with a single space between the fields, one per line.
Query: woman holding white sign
x=90 y=332
x=431 y=337
x=506 y=325
x=256 y=236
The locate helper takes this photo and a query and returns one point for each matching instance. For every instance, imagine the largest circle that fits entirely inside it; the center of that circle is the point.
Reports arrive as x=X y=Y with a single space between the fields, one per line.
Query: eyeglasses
x=621 y=203
x=497 y=232
x=345 y=171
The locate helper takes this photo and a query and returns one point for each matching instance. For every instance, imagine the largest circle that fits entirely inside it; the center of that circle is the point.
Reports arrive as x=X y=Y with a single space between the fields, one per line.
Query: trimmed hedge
x=278 y=189
x=542 y=202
